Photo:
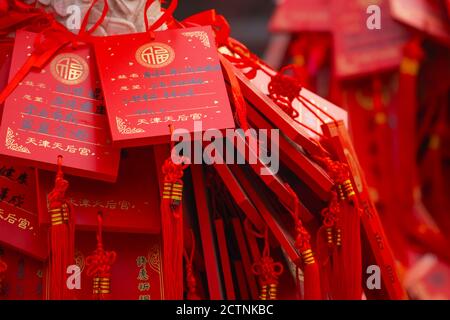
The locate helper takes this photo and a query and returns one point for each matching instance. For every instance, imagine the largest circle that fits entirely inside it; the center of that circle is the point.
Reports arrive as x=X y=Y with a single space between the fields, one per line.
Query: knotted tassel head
x=99 y=265
x=267 y=270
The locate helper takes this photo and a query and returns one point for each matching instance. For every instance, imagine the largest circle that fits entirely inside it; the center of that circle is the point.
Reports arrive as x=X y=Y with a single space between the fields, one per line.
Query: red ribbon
x=217 y=22
x=164 y=18
x=49 y=41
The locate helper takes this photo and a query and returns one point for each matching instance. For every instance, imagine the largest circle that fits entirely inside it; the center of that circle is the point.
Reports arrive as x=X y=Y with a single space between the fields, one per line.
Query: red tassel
x=311 y=275
x=172 y=228
x=61 y=236
x=99 y=266
x=406 y=113
x=190 y=276
x=345 y=256
x=329 y=238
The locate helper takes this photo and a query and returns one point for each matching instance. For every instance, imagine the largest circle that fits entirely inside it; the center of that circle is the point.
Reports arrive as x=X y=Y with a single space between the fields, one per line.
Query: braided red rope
x=283 y=89
x=302 y=237
x=99 y=263
x=330 y=213
x=190 y=276
x=337 y=170
x=56 y=197
x=246 y=59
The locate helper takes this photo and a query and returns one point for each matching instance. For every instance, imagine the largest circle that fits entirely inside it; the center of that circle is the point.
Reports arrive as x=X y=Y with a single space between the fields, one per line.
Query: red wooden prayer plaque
x=19 y=227
x=5 y=64
x=360 y=50
x=58 y=111
x=137 y=271
x=428 y=16
x=370 y=219
x=260 y=84
x=302 y=15
x=174 y=79
x=131 y=204
x=24 y=278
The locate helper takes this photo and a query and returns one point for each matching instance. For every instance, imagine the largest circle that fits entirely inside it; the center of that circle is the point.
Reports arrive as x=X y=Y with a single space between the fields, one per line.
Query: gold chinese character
x=98 y=203
x=44 y=143
x=155 y=55
x=196 y=116
x=144 y=286
x=141 y=261
x=142 y=121
x=31 y=140
x=111 y=204
x=11 y=218
x=124 y=205
x=71 y=148
x=84 y=151
x=57 y=145
x=23 y=223
x=85 y=203
x=143 y=275
x=69 y=68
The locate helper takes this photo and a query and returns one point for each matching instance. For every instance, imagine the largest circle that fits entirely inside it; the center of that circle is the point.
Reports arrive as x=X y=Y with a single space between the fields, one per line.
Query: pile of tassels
x=326 y=249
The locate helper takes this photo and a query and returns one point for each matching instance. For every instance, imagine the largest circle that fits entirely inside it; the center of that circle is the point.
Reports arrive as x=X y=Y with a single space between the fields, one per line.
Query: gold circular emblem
x=155 y=55
x=69 y=68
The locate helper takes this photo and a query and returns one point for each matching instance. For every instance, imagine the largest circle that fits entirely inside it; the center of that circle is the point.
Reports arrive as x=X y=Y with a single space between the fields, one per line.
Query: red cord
x=190 y=276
